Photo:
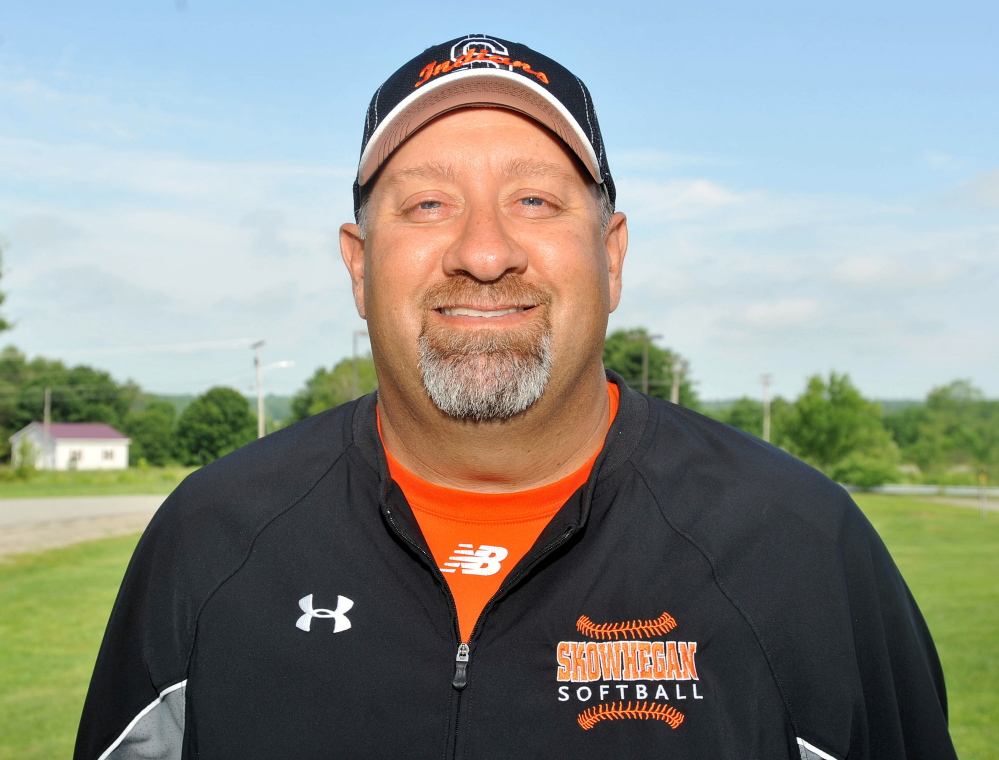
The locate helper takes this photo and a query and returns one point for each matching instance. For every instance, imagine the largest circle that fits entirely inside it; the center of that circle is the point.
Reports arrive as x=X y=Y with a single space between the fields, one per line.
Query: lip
x=490 y=311
x=485 y=316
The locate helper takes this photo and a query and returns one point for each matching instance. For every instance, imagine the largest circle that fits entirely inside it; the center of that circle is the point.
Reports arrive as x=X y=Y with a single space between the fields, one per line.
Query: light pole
x=260 y=387
x=646 y=340
x=354 y=380
x=48 y=453
x=767 y=379
x=678 y=368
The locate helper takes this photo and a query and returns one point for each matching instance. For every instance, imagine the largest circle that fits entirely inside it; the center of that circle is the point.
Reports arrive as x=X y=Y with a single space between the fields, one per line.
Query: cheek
x=578 y=273
x=397 y=276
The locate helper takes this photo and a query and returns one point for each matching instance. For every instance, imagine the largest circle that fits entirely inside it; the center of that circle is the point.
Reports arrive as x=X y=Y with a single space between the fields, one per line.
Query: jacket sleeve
x=136 y=702
x=904 y=697
x=882 y=697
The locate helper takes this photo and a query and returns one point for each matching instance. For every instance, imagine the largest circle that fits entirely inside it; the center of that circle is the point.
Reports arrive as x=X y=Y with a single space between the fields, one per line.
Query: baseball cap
x=479 y=70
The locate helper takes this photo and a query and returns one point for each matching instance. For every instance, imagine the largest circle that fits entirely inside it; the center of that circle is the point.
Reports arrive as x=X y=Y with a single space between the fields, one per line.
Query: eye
x=427 y=207
x=532 y=201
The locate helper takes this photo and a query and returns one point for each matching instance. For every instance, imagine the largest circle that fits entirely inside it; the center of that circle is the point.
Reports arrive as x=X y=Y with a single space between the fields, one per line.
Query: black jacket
x=704 y=595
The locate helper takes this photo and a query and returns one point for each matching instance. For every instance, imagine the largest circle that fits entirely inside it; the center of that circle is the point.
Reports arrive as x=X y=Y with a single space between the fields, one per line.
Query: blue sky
x=809 y=186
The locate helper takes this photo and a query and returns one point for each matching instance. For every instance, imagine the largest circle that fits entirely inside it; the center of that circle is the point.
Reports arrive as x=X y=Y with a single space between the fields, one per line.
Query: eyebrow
x=513 y=168
x=431 y=170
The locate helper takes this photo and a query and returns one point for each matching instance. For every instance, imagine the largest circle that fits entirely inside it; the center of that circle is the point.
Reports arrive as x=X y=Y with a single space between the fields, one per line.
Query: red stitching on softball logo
x=619 y=711
x=658 y=627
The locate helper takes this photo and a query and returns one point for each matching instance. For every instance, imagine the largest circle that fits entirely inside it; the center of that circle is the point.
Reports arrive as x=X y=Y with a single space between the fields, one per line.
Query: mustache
x=508 y=291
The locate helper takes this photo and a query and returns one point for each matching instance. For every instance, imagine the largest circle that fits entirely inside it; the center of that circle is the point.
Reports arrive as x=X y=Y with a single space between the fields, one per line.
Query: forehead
x=487 y=142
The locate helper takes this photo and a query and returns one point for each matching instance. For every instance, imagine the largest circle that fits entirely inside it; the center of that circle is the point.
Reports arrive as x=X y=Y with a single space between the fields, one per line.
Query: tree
x=836 y=429
x=745 y=414
x=4 y=324
x=623 y=354
x=78 y=394
x=151 y=429
x=956 y=426
x=329 y=388
x=217 y=422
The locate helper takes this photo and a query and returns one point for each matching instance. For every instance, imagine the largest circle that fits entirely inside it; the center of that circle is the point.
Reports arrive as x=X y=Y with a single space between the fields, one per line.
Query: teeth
x=461 y=311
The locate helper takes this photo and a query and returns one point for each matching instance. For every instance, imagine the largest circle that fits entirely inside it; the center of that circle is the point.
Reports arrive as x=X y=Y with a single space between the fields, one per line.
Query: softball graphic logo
x=658 y=627
x=626 y=672
x=640 y=711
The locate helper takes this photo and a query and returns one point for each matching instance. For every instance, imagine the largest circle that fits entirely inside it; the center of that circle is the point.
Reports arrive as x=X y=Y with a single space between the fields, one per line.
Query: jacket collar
x=623 y=437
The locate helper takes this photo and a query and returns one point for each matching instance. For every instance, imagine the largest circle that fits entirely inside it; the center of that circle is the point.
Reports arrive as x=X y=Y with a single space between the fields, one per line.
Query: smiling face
x=485 y=275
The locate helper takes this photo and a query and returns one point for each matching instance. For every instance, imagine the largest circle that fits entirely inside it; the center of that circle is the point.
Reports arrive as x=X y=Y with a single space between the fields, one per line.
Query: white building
x=71 y=446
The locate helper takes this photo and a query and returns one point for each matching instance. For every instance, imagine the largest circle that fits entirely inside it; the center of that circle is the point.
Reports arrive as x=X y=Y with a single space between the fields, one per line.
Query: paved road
x=27 y=511
x=32 y=525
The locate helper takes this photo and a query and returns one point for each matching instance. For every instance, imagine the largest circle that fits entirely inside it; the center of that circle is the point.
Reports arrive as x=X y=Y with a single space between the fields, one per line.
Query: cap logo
x=472 y=53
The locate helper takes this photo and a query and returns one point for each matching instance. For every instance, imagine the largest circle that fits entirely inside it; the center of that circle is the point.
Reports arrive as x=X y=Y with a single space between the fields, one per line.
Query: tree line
x=215 y=423
x=950 y=438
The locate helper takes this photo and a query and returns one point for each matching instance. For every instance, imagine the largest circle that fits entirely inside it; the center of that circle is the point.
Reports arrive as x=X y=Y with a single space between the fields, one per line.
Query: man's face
x=486 y=278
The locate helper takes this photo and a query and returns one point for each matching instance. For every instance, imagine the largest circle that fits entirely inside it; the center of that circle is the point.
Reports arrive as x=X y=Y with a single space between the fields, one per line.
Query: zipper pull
x=460 y=668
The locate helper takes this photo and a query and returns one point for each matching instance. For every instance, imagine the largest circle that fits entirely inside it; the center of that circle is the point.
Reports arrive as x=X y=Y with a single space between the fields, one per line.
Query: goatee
x=484 y=375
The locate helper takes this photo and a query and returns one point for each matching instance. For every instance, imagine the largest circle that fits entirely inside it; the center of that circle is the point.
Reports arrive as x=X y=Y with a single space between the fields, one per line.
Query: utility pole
x=677 y=370
x=260 y=387
x=354 y=379
x=46 y=430
x=766 y=407
x=646 y=340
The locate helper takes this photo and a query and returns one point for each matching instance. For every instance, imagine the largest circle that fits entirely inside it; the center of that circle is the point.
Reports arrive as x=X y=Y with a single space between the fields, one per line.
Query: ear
x=616 y=245
x=352 y=251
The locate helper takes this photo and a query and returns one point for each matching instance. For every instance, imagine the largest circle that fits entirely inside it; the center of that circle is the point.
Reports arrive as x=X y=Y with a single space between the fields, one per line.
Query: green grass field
x=950 y=559
x=53 y=608
x=151 y=480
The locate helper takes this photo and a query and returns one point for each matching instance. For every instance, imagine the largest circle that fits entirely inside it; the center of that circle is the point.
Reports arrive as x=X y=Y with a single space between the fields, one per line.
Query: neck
x=546 y=443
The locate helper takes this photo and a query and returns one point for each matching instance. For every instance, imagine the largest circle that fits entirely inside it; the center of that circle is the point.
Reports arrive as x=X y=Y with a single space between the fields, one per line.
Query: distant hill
x=716 y=407
x=276 y=408
x=894 y=406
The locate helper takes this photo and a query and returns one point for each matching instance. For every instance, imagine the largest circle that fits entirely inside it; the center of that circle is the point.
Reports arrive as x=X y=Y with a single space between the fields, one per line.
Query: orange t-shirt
x=477 y=538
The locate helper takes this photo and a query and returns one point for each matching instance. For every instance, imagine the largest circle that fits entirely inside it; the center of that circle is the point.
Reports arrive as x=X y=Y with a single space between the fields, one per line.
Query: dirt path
x=32 y=525
x=36 y=537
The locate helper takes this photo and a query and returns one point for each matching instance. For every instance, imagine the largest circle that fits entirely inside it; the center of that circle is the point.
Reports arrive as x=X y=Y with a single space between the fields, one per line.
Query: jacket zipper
x=512 y=579
x=463 y=655
x=460 y=668
x=460 y=678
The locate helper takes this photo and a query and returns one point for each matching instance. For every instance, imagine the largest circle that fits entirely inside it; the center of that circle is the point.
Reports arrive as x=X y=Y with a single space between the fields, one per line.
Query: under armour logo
x=482 y=561
x=339 y=615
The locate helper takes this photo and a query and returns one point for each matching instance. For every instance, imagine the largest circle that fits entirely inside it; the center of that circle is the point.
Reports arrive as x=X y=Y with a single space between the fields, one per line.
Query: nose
x=484 y=249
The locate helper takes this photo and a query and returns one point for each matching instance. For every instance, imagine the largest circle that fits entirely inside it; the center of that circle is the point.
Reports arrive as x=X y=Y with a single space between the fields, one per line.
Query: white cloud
x=942 y=161
x=43 y=232
x=984 y=189
x=786 y=312
x=164 y=248
x=659 y=201
x=155 y=173
x=29 y=89
x=896 y=272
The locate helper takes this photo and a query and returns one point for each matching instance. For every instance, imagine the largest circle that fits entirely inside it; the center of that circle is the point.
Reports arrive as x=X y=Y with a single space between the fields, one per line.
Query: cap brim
x=475 y=87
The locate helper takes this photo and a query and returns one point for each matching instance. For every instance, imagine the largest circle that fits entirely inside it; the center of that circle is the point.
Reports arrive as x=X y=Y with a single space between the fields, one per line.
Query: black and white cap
x=478 y=70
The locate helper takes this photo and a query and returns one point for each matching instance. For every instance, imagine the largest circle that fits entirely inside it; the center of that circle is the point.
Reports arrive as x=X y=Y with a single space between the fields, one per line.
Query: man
x=506 y=552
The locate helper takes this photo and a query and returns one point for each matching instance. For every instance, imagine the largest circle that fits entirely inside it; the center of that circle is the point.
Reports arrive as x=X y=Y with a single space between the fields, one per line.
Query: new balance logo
x=339 y=615
x=471 y=561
